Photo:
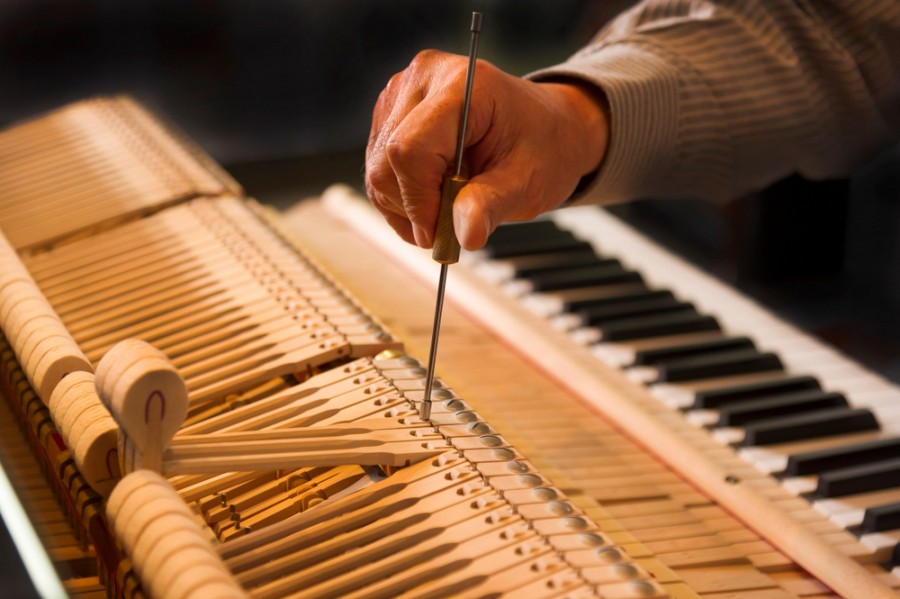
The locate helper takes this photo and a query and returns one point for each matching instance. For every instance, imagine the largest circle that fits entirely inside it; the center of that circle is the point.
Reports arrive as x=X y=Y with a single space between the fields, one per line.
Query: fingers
x=489 y=199
x=511 y=125
x=472 y=221
x=394 y=102
x=401 y=226
x=519 y=189
x=413 y=140
x=419 y=152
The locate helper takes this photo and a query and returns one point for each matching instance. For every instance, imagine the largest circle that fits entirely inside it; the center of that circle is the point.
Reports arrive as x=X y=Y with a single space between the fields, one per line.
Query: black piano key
x=741 y=413
x=523 y=266
x=813 y=462
x=877 y=476
x=622 y=298
x=881 y=517
x=824 y=423
x=648 y=357
x=597 y=315
x=608 y=273
x=658 y=325
x=741 y=361
x=535 y=228
x=528 y=246
x=713 y=398
x=552 y=272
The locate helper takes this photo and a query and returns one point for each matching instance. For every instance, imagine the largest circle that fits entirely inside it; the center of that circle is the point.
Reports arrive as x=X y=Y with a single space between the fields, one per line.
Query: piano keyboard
x=682 y=355
x=809 y=398
x=262 y=439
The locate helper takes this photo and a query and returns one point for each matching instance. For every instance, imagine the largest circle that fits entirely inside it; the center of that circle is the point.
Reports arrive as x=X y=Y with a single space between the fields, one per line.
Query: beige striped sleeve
x=715 y=99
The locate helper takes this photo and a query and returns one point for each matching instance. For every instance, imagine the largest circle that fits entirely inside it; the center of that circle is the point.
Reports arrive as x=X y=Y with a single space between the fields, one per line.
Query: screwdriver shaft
x=446 y=246
x=432 y=353
x=467 y=97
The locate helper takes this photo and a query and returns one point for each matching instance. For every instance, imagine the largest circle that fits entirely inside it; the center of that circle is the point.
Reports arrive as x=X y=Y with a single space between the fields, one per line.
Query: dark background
x=259 y=80
x=281 y=94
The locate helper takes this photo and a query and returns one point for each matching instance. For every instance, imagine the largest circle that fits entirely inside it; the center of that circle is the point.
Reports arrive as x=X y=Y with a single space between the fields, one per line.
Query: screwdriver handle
x=446 y=246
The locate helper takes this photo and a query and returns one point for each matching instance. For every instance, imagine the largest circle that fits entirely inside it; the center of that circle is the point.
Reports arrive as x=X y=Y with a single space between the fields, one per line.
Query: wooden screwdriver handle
x=446 y=246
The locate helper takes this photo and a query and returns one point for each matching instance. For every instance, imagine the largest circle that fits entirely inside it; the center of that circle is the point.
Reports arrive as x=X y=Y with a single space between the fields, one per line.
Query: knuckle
x=379 y=202
x=425 y=58
x=379 y=177
x=402 y=151
x=390 y=89
x=384 y=204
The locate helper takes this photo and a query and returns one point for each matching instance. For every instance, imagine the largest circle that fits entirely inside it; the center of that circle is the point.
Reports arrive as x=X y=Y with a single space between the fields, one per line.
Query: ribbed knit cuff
x=642 y=90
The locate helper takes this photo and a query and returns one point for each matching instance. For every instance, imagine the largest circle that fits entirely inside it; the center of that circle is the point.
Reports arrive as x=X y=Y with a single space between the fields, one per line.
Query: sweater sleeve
x=712 y=99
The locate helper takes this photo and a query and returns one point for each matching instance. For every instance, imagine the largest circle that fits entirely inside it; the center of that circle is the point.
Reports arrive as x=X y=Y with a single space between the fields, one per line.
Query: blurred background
x=280 y=92
x=260 y=80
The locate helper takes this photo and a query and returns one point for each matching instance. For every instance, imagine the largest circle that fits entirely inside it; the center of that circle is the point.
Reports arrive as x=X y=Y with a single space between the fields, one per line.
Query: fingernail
x=460 y=227
x=421 y=236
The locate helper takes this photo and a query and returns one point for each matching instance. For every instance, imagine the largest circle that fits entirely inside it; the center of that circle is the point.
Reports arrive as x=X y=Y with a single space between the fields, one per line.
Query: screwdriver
x=446 y=246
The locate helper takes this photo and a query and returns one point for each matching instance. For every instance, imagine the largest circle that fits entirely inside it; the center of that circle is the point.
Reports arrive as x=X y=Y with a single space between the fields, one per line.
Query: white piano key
x=763 y=459
x=543 y=305
x=863 y=500
x=773 y=458
x=682 y=394
x=885 y=406
x=882 y=544
x=849 y=518
x=629 y=349
x=494 y=272
x=728 y=435
x=473 y=256
x=566 y=322
x=832 y=507
x=881 y=393
x=801 y=347
x=611 y=353
x=798 y=485
x=702 y=417
x=517 y=287
x=673 y=396
x=642 y=374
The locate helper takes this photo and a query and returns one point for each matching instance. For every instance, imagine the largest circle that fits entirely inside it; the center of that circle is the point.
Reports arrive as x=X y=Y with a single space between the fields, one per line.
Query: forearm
x=712 y=100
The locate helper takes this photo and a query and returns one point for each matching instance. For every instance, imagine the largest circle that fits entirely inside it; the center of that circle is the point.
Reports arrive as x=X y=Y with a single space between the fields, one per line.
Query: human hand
x=527 y=146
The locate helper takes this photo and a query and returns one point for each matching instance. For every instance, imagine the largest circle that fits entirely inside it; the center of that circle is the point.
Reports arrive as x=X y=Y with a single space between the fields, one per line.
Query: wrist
x=589 y=123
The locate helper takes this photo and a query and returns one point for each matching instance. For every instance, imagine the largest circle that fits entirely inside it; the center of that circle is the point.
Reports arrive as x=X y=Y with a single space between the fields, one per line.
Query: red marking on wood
x=162 y=405
x=58 y=440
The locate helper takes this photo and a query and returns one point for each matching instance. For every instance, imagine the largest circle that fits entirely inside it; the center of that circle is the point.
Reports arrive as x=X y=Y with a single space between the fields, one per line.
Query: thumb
x=484 y=203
